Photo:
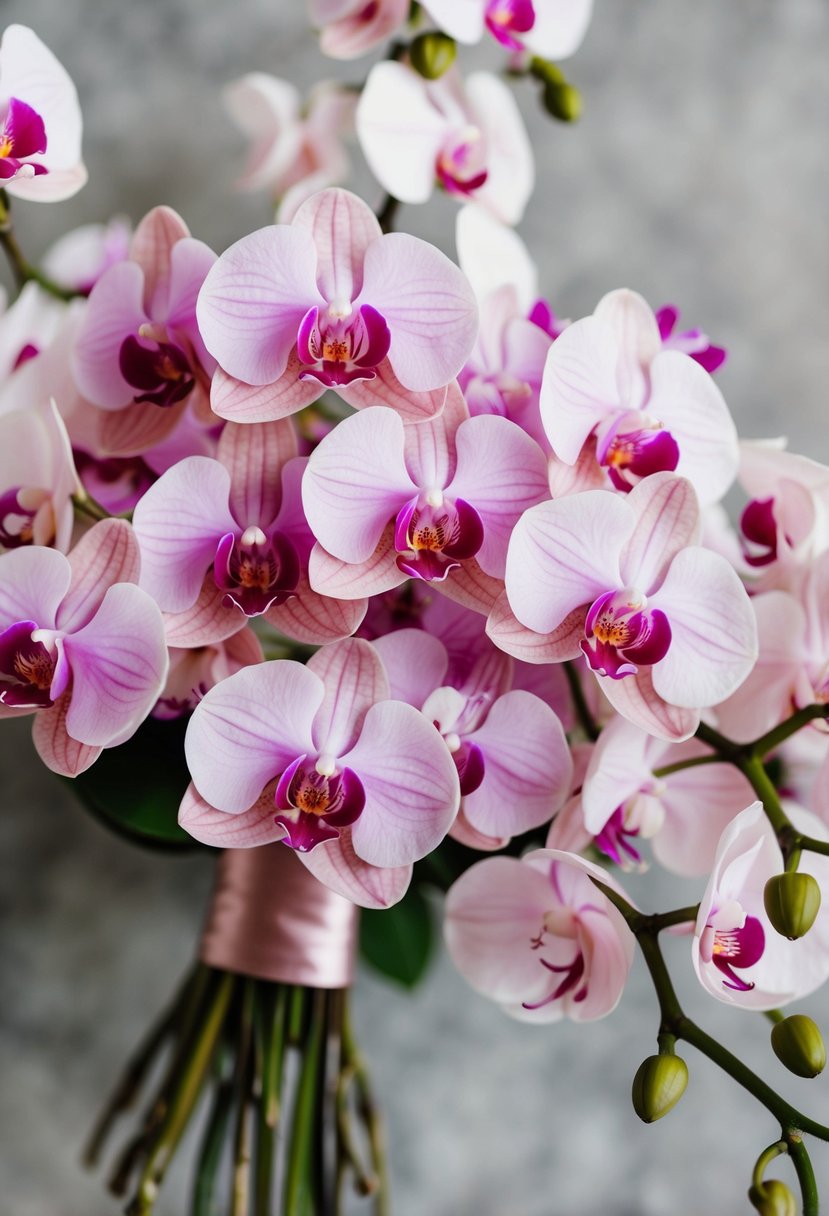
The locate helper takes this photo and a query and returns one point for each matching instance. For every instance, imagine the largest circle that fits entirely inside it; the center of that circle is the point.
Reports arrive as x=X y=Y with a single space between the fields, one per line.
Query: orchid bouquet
x=365 y=569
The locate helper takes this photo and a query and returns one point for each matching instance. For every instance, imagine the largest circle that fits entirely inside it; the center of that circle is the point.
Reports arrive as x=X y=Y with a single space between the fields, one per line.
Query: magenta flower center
x=759 y=528
x=622 y=634
x=339 y=346
x=27 y=668
x=615 y=839
x=256 y=571
x=23 y=134
x=433 y=535
x=314 y=800
x=461 y=166
x=157 y=367
x=634 y=448
x=506 y=18
x=734 y=948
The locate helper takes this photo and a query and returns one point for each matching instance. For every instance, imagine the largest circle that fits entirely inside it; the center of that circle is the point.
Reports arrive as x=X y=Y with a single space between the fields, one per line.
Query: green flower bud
x=773 y=1198
x=562 y=101
x=659 y=1083
x=798 y=1043
x=792 y=901
x=432 y=54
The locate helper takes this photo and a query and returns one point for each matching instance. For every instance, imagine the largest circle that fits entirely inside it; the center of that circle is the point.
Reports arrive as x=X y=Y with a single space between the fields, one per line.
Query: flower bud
x=562 y=101
x=798 y=1043
x=659 y=1083
x=792 y=901
x=773 y=1198
x=432 y=54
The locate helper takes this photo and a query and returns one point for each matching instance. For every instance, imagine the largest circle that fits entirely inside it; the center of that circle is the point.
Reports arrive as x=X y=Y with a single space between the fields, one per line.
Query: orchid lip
x=339 y=346
x=622 y=634
x=315 y=799
x=33 y=670
x=256 y=571
x=431 y=540
x=734 y=948
x=160 y=369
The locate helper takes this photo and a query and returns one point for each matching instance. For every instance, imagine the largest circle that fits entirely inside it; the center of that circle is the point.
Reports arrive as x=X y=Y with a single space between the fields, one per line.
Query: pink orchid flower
x=139 y=347
x=77 y=260
x=691 y=342
x=388 y=502
x=195 y=671
x=792 y=668
x=295 y=149
x=328 y=302
x=648 y=409
x=319 y=757
x=349 y=28
x=553 y=29
x=81 y=646
x=37 y=479
x=27 y=327
x=684 y=813
x=665 y=625
x=538 y=937
x=40 y=121
x=466 y=136
x=738 y=956
x=785 y=526
x=225 y=540
x=508 y=746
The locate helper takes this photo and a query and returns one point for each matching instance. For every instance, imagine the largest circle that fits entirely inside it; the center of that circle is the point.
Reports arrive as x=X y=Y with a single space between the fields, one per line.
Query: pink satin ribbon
x=272 y=919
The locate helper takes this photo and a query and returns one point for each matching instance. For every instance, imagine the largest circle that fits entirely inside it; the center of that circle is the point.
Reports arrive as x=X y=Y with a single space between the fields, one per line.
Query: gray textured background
x=698 y=175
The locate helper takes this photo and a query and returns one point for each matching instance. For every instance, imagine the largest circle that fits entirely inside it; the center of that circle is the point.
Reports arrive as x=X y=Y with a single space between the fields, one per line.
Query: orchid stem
x=86 y=505
x=387 y=213
x=214 y=1139
x=22 y=270
x=805 y=1174
x=692 y=762
x=370 y=1114
x=765 y=1159
x=240 y=1190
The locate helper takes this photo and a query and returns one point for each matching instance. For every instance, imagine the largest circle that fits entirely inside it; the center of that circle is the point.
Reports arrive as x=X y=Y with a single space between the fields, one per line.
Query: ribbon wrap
x=270 y=918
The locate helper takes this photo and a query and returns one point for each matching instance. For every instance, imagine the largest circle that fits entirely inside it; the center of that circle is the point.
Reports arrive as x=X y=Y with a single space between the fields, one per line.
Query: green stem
x=765 y=1159
x=763 y=786
x=23 y=271
x=86 y=505
x=240 y=1189
x=370 y=1114
x=271 y=1009
x=214 y=1140
x=387 y=213
x=302 y=1178
x=727 y=748
x=774 y=1015
x=692 y=762
x=805 y=1174
x=779 y=734
x=585 y=717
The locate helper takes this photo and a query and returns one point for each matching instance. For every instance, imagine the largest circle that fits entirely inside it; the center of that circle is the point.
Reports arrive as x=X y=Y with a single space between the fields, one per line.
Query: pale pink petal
x=768 y=694
x=632 y=322
x=400 y=131
x=248 y=729
x=206 y=621
x=502 y=473
x=563 y=554
x=190 y=262
x=133 y=431
x=254 y=456
x=354 y=680
x=579 y=387
x=492 y=256
x=635 y=698
x=415 y=663
x=509 y=635
x=527 y=767
x=713 y=630
x=509 y=156
x=355 y=483
x=179 y=523
x=314 y=619
x=689 y=404
x=428 y=305
x=411 y=786
x=699 y=804
x=335 y=864
x=342 y=227
x=461 y=19
x=119 y=665
x=114 y=311
x=620 y=766
x=151 y=248
x=667 y=520
x=56 y=748
x=332 y=577
x=361 y=29
x=471 y=587
x=33 y=581
x=52 y=187
x=247 y=830
x=105 y=555
x=239 y=402
x=430 y=447
x=253 y=300
x=463 y=831
x=386 y=389
x=559 y=27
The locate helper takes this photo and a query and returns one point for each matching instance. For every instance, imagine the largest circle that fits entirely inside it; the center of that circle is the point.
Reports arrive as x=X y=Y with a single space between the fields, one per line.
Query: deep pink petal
x=114 y=311
x=354 y=680
x=411 y=786
x=105 y=555
x=253 y=300
x=355 y=482
x=119 y=665
x=428 y=305
x=563 y=554
x=179 y=523
x=248 y=729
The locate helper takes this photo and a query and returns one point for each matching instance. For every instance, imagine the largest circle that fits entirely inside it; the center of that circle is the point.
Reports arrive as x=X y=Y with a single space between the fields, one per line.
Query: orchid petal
x=33 y=582
x=415 y=662
x=354 y=680
x=335 y=864
x=254 y=456
x=207 y=621
x=636 y=699
x=56 y=748
x=332 y=577
x=386 y=389
x=400 y=131
x=342 y=227
x=114 y=311
x=667 y=520
x=492 y=256
x=107 y=554
x=515 y=639
x=249 y=829
x=471 y=587
x=151 y=248
x=510 y=164
x=314 y=619
x=246 y=403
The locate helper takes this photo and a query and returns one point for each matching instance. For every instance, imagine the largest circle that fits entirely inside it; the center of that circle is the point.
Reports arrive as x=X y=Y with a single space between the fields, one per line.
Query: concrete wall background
x=698 y=175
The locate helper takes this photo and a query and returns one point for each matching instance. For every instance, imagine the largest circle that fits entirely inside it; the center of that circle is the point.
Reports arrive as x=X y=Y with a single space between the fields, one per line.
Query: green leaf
x=135 y=789
x=399 y=941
